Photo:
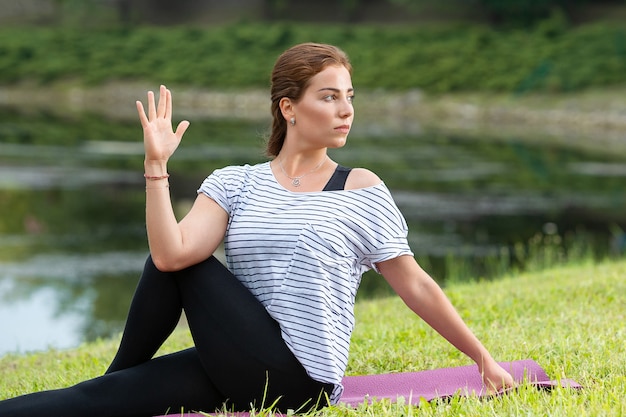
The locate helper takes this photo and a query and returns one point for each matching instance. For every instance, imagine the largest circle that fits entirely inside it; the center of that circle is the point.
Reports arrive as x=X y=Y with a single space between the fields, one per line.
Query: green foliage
x=550 y=57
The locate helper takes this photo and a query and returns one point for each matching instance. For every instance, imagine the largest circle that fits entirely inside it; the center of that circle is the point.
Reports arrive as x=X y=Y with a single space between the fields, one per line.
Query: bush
x=551 y=57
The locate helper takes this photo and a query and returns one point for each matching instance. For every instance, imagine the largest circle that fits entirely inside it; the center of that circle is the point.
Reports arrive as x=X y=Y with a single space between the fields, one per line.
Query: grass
x=570 y=319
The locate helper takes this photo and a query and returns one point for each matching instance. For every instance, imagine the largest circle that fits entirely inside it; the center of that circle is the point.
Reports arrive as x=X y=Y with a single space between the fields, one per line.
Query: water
x=72 y=235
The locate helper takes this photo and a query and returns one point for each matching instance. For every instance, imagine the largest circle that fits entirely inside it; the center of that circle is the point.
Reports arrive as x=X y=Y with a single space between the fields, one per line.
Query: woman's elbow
x=172 y=262
x=166 y=263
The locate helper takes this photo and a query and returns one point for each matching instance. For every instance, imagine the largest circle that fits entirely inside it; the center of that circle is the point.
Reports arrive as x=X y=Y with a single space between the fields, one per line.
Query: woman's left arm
x=426 y=298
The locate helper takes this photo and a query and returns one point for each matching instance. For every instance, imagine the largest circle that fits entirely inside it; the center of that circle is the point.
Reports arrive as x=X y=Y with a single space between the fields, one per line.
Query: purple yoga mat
x=436 y=383
x=439 y=383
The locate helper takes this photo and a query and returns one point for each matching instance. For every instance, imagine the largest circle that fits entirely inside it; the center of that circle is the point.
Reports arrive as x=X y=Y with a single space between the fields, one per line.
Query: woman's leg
x=154 y=313
x=165 y=384
x=134 y=384
x=240 y=344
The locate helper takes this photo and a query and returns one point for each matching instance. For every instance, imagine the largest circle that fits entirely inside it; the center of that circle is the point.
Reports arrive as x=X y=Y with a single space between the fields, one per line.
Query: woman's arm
x=424 y=296
x=173 y=245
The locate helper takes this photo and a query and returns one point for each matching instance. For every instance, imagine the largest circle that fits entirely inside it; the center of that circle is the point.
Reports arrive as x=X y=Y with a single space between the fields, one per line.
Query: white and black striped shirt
x=302 y=255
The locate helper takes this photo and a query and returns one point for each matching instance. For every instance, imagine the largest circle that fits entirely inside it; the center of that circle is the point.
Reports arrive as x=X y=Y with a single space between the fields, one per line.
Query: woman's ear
x=286 y=108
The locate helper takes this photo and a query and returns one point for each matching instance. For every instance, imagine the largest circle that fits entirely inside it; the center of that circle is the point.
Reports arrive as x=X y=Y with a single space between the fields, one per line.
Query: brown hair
x=292 y=72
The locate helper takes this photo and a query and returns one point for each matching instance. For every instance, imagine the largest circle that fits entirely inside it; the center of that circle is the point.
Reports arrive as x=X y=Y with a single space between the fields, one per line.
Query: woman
x=298 y=231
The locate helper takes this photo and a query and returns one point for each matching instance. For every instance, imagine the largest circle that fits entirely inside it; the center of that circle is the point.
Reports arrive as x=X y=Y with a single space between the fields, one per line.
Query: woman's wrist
x=155 y=169
x=155 y=173
x=484 y=360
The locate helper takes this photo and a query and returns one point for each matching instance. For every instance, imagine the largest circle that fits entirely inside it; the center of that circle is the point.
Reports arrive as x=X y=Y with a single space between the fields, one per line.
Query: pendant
x=295 y=182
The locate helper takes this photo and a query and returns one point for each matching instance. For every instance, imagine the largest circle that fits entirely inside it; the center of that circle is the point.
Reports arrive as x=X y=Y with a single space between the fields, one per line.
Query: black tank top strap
x=338 y=179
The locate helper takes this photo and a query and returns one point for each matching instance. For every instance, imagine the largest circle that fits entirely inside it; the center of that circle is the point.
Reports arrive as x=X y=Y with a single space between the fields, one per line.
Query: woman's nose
x=346 y=109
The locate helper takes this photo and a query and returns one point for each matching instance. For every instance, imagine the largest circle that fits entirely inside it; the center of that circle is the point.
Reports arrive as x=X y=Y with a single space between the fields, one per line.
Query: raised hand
x=159 y=139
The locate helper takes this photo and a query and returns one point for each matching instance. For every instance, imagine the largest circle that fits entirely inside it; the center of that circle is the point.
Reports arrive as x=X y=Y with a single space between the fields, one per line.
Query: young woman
x=274 y=325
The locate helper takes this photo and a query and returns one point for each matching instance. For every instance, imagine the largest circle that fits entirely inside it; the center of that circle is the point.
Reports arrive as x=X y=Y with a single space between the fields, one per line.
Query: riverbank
x=589 y=120
x=569 y=319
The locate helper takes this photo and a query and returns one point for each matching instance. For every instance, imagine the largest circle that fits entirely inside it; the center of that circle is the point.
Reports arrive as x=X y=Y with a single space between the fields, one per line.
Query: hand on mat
x=496 y=379
x=160 y=141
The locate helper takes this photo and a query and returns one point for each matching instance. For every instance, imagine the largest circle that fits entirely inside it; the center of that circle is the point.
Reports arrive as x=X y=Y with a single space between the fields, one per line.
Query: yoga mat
x=429 y=385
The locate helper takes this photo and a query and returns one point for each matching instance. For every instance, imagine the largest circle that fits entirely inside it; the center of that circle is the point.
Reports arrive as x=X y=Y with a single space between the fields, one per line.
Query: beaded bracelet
x=153 y=178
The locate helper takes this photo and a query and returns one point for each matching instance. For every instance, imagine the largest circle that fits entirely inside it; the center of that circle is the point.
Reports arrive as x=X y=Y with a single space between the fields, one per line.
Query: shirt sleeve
x=221 y=185
x=390 y=228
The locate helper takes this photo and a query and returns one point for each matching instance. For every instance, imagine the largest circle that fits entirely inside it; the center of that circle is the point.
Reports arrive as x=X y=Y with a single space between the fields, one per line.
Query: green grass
x=570 y=319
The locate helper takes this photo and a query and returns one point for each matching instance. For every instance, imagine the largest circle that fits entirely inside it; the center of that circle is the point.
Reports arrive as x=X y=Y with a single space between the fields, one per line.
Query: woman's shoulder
x=361 y=178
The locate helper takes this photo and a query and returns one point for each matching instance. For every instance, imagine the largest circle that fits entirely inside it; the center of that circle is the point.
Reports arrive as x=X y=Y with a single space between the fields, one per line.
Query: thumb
x=181 y=129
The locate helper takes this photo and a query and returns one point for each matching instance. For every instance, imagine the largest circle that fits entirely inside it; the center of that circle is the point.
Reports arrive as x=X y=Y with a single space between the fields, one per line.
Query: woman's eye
x=334 y=97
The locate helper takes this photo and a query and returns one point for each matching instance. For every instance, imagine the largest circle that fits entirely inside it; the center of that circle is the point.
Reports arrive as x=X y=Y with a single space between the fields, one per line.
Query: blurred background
x=499 y=126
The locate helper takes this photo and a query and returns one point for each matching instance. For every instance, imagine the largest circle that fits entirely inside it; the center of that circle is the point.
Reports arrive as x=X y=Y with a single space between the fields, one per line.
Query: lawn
x=569 y=319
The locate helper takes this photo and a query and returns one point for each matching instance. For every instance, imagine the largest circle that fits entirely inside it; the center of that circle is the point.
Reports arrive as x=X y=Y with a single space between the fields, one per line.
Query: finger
x=162 y=101
x=506 y=387
x=168 y=107
x=142 y=114
x=502 y=386
x=151 y=106
x=181 y=129
x=491 y=388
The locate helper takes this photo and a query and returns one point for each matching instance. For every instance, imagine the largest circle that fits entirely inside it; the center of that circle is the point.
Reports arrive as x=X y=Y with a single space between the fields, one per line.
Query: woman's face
x=324 y=113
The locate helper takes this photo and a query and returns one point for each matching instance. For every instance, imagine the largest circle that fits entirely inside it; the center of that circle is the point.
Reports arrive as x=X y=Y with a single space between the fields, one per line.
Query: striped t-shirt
x=302 y=255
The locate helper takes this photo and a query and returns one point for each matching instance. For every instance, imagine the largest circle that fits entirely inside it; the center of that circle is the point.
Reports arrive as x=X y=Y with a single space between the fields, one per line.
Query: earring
x=292 y=121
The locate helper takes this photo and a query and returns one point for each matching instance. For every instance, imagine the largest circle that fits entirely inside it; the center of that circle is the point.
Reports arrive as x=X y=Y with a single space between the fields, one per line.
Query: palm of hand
x=160 y=140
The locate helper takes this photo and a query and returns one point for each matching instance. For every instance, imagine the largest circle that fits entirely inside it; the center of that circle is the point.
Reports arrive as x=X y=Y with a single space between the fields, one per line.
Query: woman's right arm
x=173 y=245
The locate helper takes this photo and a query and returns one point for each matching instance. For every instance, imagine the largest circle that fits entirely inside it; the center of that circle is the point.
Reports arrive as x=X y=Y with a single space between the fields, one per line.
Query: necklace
x=295 y=181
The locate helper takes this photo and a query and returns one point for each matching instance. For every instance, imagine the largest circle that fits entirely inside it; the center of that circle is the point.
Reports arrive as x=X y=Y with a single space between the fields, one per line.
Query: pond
x=72 y=233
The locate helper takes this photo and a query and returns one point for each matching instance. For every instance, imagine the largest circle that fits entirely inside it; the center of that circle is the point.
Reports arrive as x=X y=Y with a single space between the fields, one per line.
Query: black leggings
x=239 y=360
